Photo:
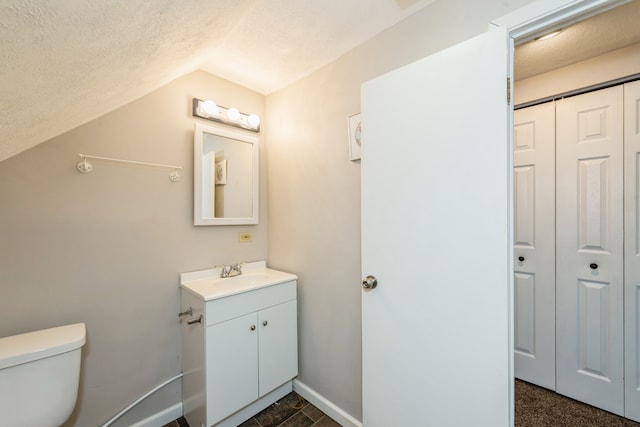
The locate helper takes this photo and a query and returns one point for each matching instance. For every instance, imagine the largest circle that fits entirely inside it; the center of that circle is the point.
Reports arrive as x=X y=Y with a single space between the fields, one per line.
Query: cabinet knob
x=265 y=323
x=593 y=266
x=521 y=258
x=253 y=327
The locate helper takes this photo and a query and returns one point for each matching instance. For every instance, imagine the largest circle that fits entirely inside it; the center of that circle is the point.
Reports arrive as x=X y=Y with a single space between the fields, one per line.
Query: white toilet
x=39 y=376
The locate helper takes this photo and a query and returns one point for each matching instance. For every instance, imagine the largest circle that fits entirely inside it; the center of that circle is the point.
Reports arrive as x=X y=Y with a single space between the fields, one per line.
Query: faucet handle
x=224 y=270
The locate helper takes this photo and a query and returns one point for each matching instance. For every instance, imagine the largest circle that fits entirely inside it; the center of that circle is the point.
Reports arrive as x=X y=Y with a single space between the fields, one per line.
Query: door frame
x=525 y=24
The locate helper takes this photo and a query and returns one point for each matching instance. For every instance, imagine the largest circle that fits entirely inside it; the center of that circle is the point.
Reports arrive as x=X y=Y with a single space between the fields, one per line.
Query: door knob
x=521 y=258
x=369 y=283
x=593 y=266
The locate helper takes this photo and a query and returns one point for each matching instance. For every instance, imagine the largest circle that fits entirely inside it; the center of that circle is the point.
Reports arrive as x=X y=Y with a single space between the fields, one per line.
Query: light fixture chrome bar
x=86 y=167
x=229 y=116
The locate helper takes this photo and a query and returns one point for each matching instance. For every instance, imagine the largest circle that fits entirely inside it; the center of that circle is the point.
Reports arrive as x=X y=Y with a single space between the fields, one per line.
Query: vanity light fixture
x=207 y=109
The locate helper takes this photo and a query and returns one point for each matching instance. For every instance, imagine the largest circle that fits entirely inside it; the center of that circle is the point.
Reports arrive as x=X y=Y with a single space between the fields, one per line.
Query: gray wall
x=106 y=248
x=314 y=190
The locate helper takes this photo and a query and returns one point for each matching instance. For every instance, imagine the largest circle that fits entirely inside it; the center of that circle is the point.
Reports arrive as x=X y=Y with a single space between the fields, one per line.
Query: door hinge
x=508 y=90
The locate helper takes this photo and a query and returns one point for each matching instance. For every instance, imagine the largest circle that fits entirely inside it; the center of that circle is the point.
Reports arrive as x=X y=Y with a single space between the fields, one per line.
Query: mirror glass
x=225 y=177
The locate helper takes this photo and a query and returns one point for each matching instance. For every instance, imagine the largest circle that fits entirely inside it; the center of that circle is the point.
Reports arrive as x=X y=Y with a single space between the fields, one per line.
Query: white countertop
x=208 y=285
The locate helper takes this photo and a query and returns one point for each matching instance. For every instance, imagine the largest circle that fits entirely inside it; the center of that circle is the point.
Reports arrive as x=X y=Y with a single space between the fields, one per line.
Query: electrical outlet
x=245 y=236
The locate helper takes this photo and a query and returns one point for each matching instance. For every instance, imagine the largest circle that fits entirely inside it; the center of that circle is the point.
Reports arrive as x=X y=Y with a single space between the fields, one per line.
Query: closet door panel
x=534 y=244
x=632 y=249
x=589 y=234
x=594 y=206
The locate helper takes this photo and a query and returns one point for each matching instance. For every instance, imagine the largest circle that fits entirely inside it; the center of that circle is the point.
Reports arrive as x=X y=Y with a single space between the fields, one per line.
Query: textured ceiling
x=615 y=29
x=278 y=42
x=66 y=62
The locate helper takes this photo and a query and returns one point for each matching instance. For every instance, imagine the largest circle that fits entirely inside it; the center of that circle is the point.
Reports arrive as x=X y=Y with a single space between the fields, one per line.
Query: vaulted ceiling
x=64 y=63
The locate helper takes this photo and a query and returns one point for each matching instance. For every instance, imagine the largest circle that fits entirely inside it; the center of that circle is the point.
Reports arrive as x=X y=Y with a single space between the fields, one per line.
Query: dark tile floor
x=535 y=407
x=290 y=411
x=180 y=422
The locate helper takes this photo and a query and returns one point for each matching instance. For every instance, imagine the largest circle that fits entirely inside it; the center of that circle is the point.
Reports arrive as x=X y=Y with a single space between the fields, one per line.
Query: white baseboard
x=161 y=418
x=325 y=405
x=312 y=396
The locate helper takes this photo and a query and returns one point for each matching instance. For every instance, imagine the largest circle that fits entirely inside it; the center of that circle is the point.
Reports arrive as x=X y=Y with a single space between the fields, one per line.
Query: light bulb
x=254 y=120
x=233 y=114
x=209 y=107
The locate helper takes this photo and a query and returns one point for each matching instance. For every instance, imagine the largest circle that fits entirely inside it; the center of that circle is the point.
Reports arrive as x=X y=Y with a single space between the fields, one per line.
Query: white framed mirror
x=225 y=173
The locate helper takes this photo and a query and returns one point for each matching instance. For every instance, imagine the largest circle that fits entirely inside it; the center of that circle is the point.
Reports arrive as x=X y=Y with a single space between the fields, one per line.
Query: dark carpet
x=539 y=407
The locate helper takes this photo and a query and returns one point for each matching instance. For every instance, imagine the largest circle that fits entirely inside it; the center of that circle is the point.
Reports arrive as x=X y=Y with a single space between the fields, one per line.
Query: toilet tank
x=39 y=376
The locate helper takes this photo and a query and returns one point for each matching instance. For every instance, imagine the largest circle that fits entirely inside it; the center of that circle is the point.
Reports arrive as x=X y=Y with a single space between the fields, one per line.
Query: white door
x=589 y=264
x=534 y=244
x=436 y=174
x=632 y=249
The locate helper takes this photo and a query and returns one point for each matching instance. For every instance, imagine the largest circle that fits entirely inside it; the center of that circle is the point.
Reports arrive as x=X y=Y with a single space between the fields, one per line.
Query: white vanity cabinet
x=252 y=354
x=243 y=354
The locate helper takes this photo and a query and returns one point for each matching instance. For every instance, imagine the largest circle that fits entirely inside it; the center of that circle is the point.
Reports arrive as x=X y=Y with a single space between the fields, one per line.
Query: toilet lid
x=23 y=348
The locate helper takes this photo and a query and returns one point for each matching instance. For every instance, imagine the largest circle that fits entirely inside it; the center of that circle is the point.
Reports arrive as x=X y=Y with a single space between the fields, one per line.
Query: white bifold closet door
x=534 y=245
x=596 y=325
x=590 y=237
x=632 y=249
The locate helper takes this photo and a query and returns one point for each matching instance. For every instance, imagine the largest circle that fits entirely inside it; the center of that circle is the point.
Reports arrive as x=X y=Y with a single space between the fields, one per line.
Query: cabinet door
x=278 y=345
x=232 y=366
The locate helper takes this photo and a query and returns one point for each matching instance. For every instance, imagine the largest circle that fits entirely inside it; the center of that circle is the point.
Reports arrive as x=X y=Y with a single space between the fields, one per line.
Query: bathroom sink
x=246 y=280
x=208 y=285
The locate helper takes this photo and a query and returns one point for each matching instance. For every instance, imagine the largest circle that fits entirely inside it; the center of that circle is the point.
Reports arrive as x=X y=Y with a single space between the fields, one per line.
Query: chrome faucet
x=230 y=270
